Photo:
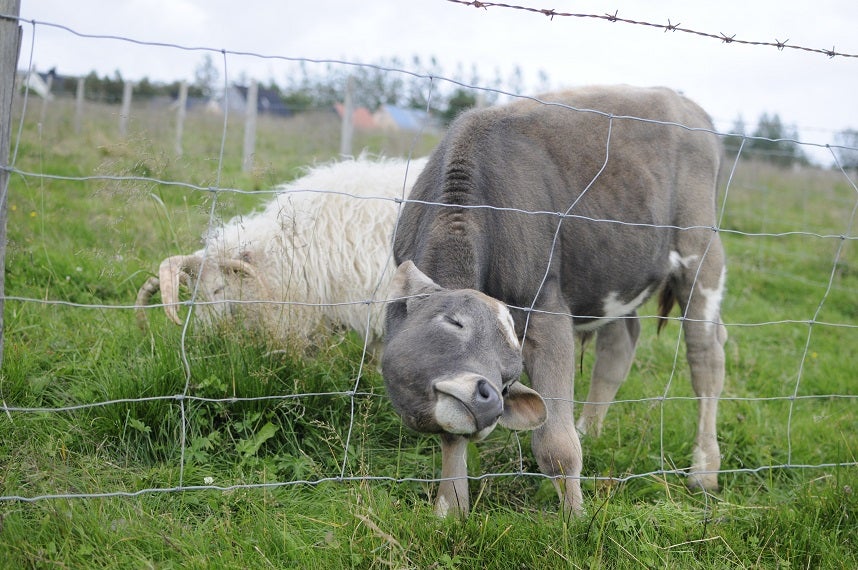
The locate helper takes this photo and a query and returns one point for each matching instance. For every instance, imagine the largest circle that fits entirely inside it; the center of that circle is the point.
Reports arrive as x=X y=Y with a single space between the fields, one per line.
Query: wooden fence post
x=180 y=116
x=78 y=104
x=348 y=126
x=10 y=44
x=250 y=126
x=125 y=112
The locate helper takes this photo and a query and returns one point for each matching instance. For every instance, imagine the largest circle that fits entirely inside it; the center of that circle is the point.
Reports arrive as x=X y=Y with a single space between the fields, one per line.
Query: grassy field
x=334 y=481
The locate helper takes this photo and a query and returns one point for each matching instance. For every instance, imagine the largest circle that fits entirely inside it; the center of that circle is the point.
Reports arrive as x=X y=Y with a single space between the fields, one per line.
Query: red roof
x=361 y=117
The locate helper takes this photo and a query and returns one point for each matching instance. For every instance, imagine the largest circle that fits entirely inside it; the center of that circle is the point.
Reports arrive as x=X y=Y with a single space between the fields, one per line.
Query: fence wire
x=352 y=396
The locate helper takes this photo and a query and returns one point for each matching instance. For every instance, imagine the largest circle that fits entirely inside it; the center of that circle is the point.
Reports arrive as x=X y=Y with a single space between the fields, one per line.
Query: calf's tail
x=666 y=301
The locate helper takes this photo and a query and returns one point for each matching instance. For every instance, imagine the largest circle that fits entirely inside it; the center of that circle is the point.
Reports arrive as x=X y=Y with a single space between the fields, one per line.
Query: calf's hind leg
x=699 y=294
x=615 y=350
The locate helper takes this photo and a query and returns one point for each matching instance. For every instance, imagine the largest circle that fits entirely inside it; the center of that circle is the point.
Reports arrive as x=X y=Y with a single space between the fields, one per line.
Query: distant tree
x=460 y=100
x=375 y=86
x=299 y=92
x=847 y=157
x=298 y=101
x=419 y=95
x=104 y=89
x=379 y=84
x=544 y=82
x=145 y=89
x=733 y=142
x=172 y=90
x=774 y=143
x=515 y=81
x=64 y=84
x=206 y=77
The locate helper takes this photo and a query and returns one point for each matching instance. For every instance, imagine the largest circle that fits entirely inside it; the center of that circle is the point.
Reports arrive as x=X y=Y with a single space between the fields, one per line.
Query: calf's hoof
x=703 y=482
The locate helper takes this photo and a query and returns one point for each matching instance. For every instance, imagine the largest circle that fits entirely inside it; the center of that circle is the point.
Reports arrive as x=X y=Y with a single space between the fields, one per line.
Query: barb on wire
x=669 y=27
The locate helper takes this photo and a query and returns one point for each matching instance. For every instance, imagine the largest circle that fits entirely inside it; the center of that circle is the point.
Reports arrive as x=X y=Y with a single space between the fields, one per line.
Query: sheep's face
x=227 y=291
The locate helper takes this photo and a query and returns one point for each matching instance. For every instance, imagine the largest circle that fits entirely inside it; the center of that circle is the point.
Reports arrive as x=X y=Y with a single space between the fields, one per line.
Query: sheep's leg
x=549 y=357
x=615 y=351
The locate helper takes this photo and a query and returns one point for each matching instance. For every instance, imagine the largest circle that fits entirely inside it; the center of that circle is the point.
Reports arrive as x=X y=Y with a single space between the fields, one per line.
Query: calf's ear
x=523 y=408
x=409 y=281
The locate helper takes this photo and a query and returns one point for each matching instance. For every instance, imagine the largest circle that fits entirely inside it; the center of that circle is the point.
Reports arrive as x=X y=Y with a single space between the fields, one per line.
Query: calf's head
x=452 y=360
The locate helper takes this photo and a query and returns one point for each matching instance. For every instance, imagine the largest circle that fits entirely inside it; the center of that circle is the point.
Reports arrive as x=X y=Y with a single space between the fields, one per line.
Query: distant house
x=34 y=83
x=388 y=117
x=362 y=118
x=38 y=83
x=393 y=118
x=268 y=101
x=48 y=84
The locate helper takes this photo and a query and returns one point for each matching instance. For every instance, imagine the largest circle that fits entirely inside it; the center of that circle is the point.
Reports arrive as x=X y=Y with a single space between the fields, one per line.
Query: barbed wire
x=669 y=27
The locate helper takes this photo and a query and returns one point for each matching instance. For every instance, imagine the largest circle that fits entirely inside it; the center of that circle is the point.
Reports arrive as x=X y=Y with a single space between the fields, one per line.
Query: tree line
x=774 y=141
x=771 y=140
x=317 y=86
x=309 y=88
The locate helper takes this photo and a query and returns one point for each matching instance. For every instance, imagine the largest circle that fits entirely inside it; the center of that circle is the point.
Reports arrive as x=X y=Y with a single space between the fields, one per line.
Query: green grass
x=94 y=242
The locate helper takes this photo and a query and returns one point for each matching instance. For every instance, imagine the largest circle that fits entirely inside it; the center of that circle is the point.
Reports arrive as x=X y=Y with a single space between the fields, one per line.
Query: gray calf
x=641 y=203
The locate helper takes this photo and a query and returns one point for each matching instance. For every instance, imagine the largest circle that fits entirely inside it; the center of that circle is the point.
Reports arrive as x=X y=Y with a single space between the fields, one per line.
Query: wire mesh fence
x=92 y=215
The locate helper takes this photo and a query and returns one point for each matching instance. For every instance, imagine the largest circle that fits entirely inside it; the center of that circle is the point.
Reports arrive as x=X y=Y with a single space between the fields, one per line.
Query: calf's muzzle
x=467 y=404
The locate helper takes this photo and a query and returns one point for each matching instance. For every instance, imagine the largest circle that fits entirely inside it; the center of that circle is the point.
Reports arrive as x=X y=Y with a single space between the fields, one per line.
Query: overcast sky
x=815 y=93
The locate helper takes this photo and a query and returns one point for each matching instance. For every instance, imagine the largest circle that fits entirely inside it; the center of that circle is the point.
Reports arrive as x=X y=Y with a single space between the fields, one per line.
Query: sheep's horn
x=172 y=272
x=144 y=295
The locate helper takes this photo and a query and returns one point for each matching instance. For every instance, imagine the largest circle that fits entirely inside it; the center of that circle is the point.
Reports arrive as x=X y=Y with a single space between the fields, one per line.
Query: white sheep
x=309 y=261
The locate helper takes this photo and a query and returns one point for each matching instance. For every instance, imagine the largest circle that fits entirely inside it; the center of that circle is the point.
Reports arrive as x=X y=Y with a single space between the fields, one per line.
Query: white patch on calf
x=677 y=261
x=711 y=311
x=614 y=308
x=506 y=324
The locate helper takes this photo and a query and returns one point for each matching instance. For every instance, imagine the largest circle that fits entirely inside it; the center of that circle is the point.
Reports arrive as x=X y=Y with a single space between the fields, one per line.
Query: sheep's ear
x=409 y=281
x=238 y=266
x=523 y=408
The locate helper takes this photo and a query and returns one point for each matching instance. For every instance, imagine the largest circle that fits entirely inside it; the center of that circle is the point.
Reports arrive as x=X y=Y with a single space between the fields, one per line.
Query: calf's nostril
x=485 y=393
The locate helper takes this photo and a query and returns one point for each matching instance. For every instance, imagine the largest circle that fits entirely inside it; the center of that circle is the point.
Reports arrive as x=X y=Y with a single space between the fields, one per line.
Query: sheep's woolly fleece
x=323 y=246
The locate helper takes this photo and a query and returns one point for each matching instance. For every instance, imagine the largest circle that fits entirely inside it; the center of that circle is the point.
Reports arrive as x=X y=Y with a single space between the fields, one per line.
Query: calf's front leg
x=549 y=358
x=452 y=496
